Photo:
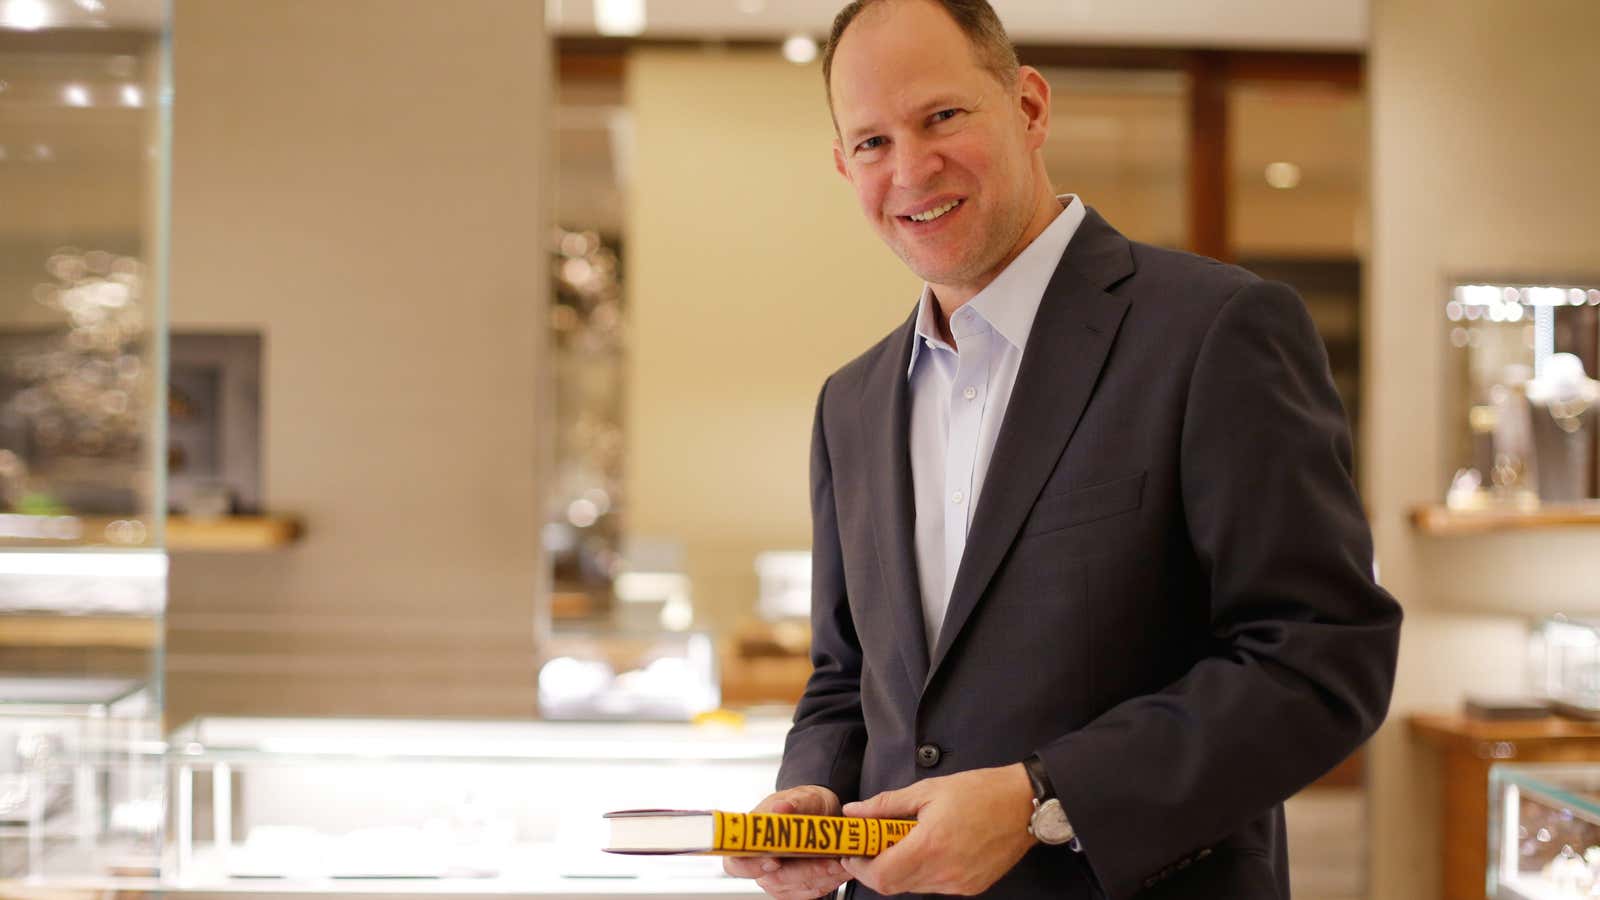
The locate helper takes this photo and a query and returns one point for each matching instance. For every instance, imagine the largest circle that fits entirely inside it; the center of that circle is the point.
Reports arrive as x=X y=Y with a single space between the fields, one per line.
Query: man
x=1093 y=588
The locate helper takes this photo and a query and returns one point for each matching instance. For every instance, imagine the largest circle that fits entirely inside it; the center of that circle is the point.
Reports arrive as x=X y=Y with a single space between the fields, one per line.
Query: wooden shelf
x=1441 y=521
x=1448 y=731
x=233 y=533
x=44 y=630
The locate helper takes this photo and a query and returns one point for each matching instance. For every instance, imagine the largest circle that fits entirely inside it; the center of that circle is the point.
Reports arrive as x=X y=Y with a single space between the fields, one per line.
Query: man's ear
x=1034 y=101
x=838 y=159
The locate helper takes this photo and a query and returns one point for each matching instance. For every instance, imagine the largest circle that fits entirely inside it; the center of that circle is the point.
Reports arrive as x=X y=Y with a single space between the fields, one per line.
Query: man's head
x=935 y=117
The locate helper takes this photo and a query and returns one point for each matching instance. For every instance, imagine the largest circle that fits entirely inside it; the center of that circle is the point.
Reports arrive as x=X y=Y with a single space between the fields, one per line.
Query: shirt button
x=928 y=755
x=957 y=497
x=970 y=393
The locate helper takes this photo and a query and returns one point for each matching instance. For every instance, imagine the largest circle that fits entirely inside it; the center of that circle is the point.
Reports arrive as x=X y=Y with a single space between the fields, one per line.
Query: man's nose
x=915 y=163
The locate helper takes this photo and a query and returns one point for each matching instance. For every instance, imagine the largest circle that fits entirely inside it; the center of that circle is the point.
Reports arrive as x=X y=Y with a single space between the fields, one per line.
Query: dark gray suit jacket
x=1167 y=591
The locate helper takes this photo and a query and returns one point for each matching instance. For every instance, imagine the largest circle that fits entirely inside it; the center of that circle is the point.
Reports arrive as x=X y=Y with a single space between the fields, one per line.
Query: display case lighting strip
x=80 y=564
x=1527 y=295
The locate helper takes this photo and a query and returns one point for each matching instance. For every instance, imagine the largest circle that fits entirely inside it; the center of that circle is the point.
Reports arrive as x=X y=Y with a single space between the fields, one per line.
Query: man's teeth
x=934 y=213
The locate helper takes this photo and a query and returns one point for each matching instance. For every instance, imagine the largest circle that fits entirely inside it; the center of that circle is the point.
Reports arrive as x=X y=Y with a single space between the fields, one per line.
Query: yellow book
x=664 y=831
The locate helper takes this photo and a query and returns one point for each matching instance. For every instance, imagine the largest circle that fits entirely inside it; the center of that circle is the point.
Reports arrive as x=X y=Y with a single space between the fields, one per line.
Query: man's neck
x=949 y=298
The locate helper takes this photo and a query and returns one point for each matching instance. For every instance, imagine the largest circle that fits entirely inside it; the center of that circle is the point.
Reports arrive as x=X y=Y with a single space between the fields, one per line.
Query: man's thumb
x=808 y=802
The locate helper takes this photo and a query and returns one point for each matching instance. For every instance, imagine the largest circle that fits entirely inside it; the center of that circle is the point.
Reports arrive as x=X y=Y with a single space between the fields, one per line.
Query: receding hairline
x=977 y=21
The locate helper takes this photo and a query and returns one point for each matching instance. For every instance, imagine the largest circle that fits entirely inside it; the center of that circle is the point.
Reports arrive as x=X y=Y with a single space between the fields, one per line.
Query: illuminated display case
x=1566 y=652
x=1522 y=397
x=628 y=674
x=354 y=805
x=80 y=780
x=84 y=103
x=1544 y=831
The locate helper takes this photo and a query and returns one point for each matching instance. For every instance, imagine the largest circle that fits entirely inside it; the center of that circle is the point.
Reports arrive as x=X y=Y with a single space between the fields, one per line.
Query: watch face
x=1050 y=824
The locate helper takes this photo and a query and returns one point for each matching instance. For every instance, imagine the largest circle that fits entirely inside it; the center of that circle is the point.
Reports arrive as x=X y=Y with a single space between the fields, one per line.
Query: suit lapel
x=886 y=428
x=1071 y=338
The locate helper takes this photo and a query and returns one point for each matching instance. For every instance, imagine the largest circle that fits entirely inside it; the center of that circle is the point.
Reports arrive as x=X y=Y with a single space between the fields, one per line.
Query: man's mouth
x=937 y=212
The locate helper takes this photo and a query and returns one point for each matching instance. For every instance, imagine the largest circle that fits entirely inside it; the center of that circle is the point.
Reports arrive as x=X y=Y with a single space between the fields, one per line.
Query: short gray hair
x=976 y=19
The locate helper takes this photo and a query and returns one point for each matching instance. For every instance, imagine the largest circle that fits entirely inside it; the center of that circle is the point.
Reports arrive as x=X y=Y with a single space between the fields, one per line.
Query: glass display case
x=84 y=150
x=83 y=166
x=1544 y=831
x=1522 y=396
x=80 y=780
x=605 y=673
x=1566 y=658
x=449 y=807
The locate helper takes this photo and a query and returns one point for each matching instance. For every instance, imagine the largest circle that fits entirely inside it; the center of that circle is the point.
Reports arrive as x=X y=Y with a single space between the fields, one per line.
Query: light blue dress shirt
x=958 y=400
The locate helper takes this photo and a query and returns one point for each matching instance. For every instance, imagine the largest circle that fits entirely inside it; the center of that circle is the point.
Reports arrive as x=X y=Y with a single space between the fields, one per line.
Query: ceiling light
x=1283 y=175
x=25 y=15
x=799 y=49
x=93 y=6
x=75 y=95
x=619 y=18
x=132 y=96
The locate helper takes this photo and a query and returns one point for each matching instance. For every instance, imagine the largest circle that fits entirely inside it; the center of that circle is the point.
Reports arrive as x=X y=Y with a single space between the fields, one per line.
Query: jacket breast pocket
x=1053 y=512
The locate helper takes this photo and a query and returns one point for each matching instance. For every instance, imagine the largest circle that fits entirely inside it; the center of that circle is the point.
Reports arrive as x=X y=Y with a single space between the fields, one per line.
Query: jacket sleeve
x=826 y=743
x=1303 y=644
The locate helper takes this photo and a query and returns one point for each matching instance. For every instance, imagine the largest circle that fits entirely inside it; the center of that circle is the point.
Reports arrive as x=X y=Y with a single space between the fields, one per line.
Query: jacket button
x=928 y=755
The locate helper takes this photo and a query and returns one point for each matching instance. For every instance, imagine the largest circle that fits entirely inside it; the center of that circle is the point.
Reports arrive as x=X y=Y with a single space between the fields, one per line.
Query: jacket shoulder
x=1156 y=268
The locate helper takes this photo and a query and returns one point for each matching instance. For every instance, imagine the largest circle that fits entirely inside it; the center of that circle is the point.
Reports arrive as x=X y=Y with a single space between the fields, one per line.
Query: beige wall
x=751 y=276
x=1484 y=138
x=362 y=181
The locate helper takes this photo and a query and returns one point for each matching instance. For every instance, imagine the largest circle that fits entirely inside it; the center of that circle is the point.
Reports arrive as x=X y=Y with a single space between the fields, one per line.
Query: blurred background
x=401 y=392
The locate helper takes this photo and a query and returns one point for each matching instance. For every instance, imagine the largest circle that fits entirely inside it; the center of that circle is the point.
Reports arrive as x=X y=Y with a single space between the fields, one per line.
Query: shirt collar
x=1010 y=302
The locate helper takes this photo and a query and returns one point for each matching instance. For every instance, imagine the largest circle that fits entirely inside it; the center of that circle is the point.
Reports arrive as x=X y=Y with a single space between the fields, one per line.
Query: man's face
x=938 y=150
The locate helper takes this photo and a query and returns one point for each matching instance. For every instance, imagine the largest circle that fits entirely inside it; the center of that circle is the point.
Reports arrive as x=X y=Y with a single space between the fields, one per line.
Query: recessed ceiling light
x=1283 y=175
x=619 y=18
x=25 y=15
x=132 y=96
x=799 y=49
x=75 y=95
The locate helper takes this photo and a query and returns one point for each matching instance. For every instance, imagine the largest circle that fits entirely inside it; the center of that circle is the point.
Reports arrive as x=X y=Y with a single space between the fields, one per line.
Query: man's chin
x=936 y=271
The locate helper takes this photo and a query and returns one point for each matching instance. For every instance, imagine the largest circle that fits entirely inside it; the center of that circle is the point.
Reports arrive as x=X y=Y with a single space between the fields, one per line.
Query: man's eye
x=871 y=143
x=944 y=115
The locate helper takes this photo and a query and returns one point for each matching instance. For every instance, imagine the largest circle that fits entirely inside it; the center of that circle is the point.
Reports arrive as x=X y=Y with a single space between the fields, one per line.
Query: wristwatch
x=1049 y=823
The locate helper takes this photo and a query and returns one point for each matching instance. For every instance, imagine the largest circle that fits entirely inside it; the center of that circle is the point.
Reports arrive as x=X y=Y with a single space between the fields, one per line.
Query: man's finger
x=805 y=878
x=749 y=866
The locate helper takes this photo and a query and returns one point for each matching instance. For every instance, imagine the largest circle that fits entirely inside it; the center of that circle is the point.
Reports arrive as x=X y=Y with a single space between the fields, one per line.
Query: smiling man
x=1092 y=585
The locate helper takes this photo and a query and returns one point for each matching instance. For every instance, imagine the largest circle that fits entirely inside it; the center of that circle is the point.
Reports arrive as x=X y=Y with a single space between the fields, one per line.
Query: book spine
x=789 y=834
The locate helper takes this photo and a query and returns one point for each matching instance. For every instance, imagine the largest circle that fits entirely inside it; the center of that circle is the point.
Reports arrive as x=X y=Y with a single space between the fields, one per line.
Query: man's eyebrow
x=941 y=101
x=858 y=132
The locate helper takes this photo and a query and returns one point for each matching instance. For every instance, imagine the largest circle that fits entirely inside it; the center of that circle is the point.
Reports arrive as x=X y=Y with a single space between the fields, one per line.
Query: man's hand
x=972 y=827
x=793 y=879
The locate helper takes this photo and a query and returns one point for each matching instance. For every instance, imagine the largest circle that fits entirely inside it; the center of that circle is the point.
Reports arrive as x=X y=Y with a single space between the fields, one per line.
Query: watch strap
x=1040 y=777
